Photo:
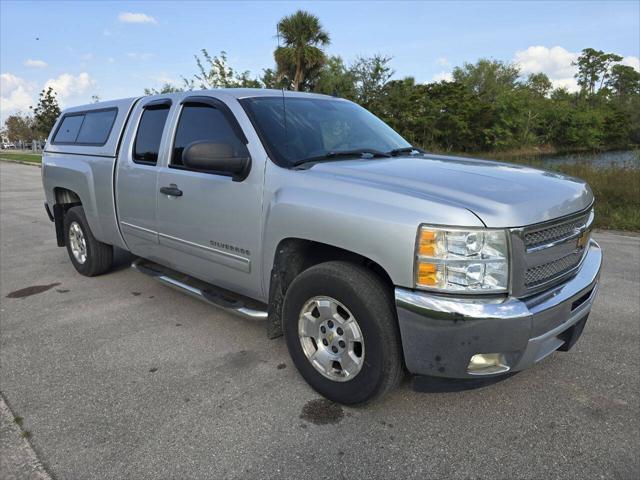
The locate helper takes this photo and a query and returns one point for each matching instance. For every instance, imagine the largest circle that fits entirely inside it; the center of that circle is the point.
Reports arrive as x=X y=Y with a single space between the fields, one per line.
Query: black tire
x=371 y=303
x=99 y=255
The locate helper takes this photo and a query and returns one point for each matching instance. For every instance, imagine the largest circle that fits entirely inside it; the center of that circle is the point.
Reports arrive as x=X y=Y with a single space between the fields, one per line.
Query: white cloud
x=35 y=63
x=570 y=84
x=555 y=62
x=130 y=17
x=631 y=62
x=443 y=61
x=16 y=94
x=442 y=76
x=68 y=86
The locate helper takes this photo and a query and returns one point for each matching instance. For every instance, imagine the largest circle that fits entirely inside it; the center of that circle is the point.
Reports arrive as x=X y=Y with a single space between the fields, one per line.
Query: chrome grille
x=542 y=273
x=555 y=233
x=545 y=254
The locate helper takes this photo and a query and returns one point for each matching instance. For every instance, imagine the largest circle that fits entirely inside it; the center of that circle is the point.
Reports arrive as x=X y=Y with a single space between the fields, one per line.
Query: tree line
x=486 y=106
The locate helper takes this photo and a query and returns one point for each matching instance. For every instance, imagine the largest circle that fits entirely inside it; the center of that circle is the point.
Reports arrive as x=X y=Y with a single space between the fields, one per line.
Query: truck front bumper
x=459 y=337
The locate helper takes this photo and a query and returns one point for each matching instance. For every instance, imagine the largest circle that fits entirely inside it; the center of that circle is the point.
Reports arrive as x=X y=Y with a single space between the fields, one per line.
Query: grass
x=18 y=420
x=20 y=157
x=617 y=192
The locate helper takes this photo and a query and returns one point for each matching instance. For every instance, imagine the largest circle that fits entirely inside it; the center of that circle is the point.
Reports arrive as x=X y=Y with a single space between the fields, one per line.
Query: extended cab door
x=209 y=225
x=137 y=175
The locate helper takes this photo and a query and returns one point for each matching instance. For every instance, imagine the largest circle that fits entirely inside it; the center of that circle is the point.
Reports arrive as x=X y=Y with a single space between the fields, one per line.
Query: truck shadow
x=121 y=259
x=426 y=384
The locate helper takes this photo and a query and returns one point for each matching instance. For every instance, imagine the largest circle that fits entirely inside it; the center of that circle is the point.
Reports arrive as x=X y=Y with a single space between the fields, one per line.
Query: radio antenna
x=284 y=107
x=284 y=114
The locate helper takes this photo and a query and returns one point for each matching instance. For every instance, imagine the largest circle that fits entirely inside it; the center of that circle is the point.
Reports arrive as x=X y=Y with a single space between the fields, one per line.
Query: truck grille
x=554 y=233
x=545 y=254
x=547 y=271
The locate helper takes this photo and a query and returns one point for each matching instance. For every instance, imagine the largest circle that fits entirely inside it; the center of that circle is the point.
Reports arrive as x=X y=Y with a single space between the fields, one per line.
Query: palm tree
x=301 y=53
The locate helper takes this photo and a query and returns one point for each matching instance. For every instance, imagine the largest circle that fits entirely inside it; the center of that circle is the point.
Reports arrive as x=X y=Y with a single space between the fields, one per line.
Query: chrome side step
x=210 y=294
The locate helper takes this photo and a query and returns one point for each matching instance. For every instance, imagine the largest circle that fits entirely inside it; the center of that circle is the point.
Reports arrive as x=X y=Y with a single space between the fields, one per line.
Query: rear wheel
x=89 y=256
x=341 y=331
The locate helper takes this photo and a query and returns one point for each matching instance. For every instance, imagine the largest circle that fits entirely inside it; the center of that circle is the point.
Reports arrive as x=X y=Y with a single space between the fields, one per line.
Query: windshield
x=295 y=129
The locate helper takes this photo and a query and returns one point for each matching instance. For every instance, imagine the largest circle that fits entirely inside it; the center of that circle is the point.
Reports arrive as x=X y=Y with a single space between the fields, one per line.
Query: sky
x=117 y=49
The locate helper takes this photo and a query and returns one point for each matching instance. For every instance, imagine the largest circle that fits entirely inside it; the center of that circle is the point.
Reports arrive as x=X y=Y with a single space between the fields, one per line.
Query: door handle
x=172 y=191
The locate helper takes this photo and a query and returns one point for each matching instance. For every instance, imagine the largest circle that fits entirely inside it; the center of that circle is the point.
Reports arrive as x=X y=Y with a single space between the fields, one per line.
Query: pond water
x=619 y=158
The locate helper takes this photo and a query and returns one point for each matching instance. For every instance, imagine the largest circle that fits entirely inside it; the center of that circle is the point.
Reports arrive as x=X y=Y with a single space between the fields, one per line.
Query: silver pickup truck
x=371 y=257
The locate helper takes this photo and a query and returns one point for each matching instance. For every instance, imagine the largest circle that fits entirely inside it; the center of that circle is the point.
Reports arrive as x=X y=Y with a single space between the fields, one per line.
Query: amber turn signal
x=427 y=273
x=427 y=243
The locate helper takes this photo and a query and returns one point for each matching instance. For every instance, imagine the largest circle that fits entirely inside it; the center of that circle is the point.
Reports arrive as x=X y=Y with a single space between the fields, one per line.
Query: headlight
x=462 y=260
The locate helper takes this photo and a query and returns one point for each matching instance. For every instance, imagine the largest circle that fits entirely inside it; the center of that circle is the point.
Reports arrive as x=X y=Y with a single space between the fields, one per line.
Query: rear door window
x=69 y=128
x=147 y=144
x=96 y=127
x=86 y=128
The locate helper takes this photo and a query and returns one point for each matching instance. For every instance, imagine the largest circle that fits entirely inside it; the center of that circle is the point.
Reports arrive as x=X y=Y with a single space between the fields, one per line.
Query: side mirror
x=216 y=158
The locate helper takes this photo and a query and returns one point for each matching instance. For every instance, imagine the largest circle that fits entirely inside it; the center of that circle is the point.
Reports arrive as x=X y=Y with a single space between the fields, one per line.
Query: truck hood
x=501 y=195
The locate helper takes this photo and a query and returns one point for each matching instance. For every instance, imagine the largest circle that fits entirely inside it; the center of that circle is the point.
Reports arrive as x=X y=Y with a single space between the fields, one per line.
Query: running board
x=218 y=297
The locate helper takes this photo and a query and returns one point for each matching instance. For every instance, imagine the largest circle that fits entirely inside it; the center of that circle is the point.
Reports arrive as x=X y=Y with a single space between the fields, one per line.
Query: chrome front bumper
x=440 y=334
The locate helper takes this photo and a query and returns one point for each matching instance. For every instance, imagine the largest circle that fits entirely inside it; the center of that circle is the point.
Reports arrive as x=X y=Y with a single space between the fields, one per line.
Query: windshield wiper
x=400 y=151
x=329 y=156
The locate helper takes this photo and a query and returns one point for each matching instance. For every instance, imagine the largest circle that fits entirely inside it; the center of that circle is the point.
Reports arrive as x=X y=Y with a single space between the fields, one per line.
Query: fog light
x=487 y=364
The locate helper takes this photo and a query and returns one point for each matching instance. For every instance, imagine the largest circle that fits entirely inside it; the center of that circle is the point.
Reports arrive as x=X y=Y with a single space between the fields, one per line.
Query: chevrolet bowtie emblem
x=583 y=239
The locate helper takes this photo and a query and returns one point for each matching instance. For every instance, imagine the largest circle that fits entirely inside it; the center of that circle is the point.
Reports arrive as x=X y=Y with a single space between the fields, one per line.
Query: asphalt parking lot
x=119 y=377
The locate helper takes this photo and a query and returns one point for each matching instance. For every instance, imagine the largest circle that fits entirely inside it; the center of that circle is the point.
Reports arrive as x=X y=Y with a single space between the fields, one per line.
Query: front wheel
x=341 y=331
x=89 y=256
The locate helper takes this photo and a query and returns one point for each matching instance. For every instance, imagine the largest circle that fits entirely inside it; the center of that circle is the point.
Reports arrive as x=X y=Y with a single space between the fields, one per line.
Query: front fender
x=379 y=225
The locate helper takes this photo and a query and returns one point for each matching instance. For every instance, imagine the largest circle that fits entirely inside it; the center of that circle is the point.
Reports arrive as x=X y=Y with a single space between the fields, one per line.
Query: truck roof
x=266 y=92
x=237 y=93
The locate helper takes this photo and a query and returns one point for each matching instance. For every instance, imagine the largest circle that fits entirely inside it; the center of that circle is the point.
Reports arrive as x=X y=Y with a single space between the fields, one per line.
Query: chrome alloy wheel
x=77 y=242
x=331 y=338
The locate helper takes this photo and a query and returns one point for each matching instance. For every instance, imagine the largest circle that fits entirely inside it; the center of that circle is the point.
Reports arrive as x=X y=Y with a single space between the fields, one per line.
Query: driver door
x=208 y=224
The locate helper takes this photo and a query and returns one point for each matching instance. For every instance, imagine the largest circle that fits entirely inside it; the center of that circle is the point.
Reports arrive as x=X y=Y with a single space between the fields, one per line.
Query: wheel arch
x=64 y=200
x=294 y=255
x=65 y=196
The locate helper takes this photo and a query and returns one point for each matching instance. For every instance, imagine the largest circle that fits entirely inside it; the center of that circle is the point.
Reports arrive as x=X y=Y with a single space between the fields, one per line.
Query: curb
x=17 y=457
x=21 y=162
